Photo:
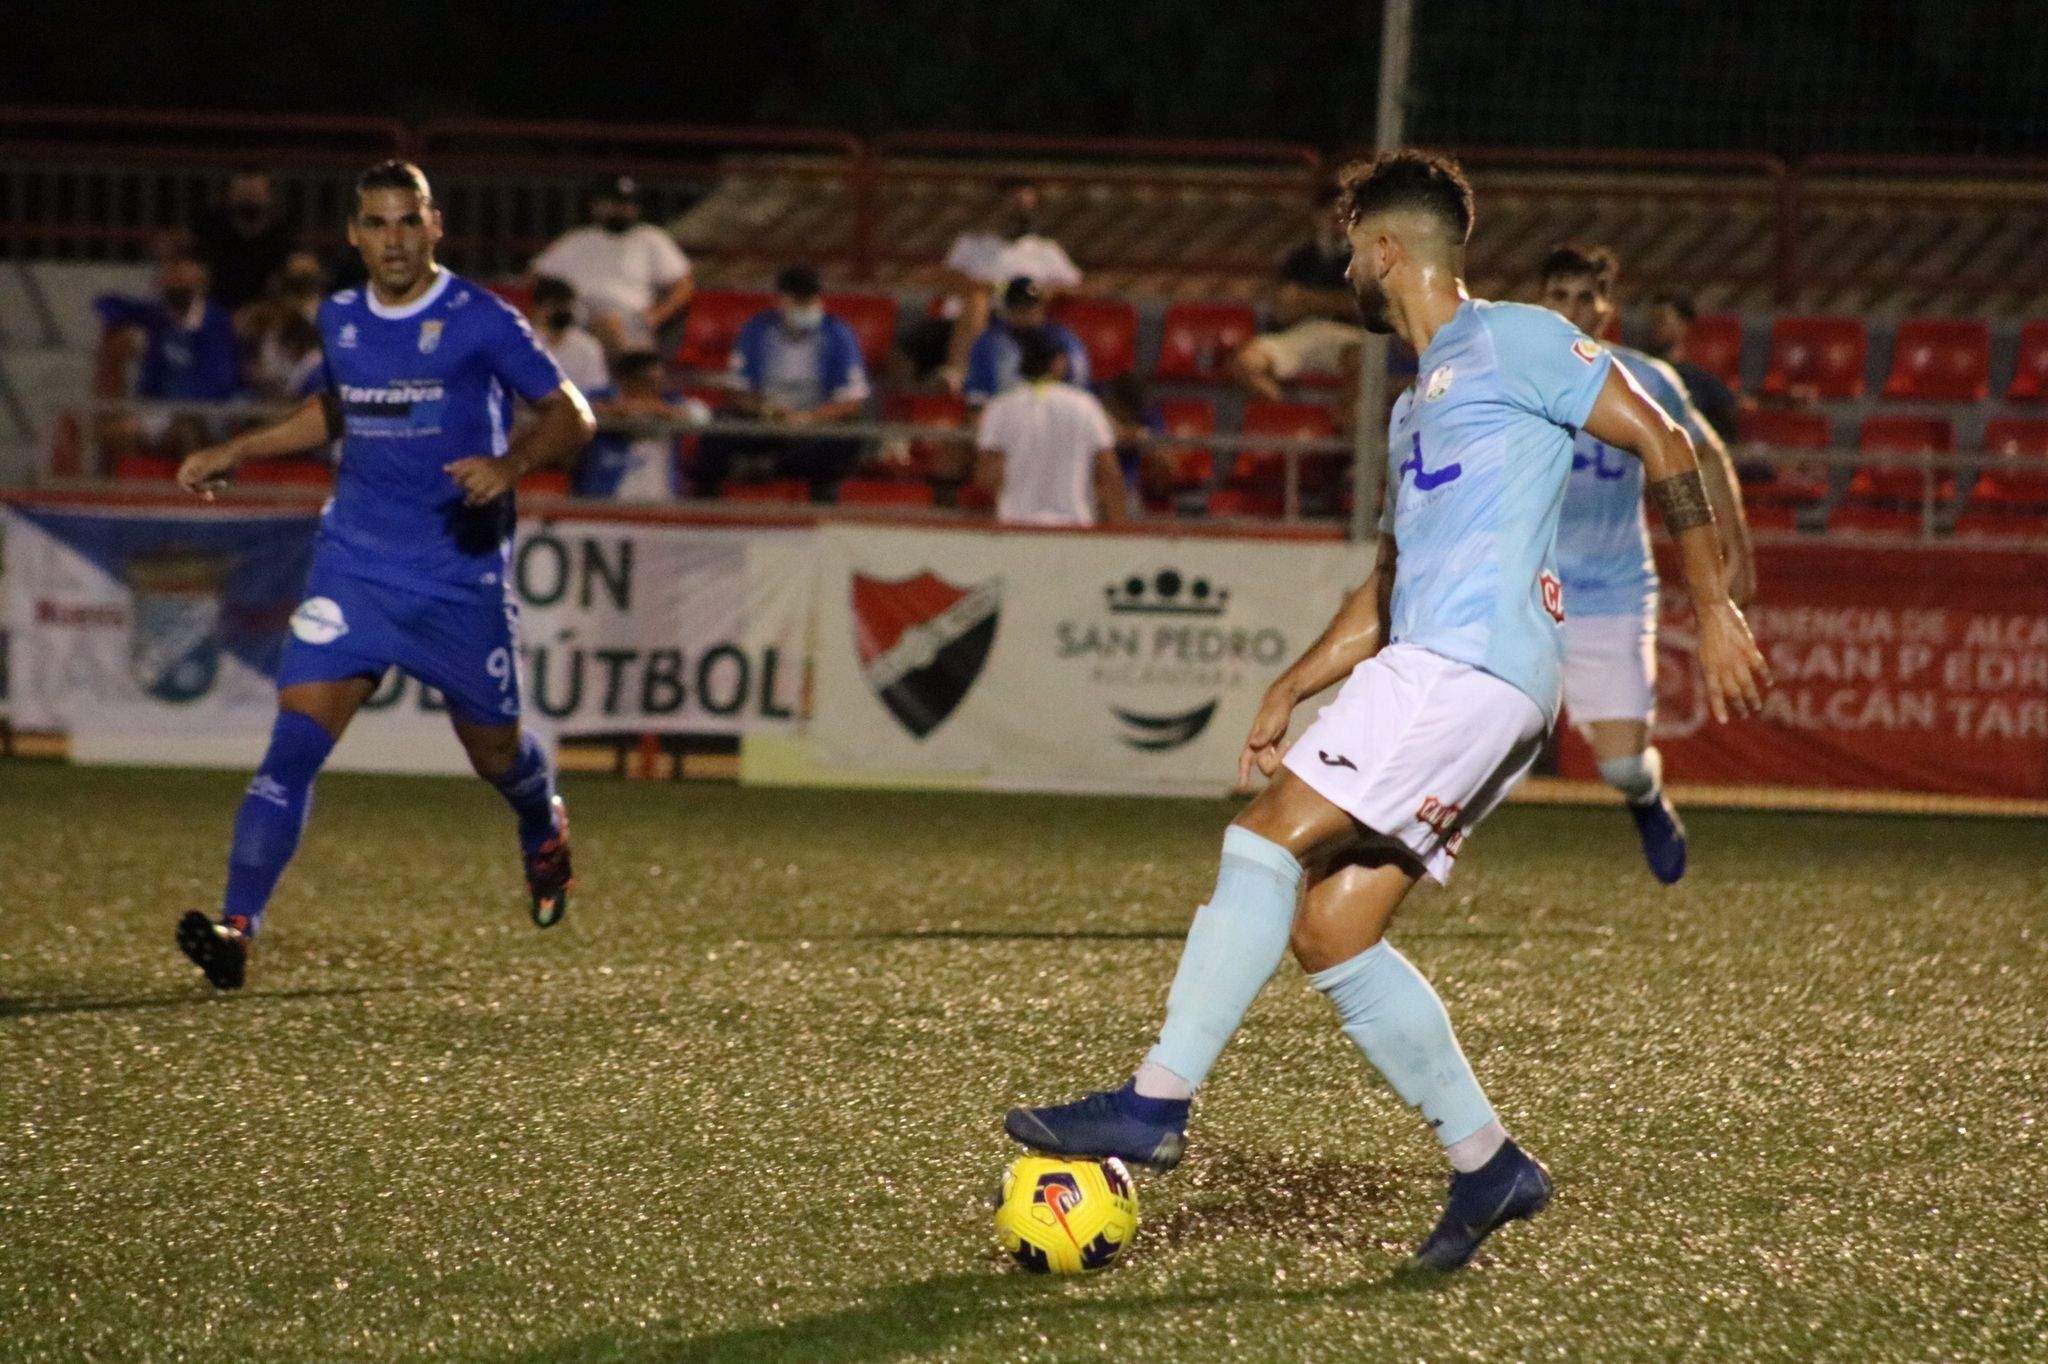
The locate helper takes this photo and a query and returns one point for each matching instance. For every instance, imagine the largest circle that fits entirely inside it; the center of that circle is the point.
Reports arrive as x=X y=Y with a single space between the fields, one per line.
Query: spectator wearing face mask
x=632 y=277
x=281 y=343
x=993 y=363
x=796 y=366
x=633 y=457
x=553 y=314
x=243 y=241
x=1008 y=247
x=188 y=340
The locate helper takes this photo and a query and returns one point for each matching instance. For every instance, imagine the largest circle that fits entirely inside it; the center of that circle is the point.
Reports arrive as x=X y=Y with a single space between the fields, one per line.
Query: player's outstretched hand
x=1735 y=667
x=1262 y=745
x=481 y=478
x=206 y=472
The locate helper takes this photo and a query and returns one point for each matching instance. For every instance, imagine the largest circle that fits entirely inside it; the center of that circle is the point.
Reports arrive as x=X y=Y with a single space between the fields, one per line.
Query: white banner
x=156 y=630
x=1056 y=662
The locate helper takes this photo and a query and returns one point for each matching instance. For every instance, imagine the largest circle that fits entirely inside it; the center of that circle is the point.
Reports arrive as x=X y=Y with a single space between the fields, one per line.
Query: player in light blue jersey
x=1450 y=659
x=1610 y=576
x=410 y=571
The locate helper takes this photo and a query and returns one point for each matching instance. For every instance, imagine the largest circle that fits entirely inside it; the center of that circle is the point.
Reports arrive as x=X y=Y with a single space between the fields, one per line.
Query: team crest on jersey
x=430 y=336
x=1585 y=350
x=922 y=642
x=348 y=336
x=1439 y=383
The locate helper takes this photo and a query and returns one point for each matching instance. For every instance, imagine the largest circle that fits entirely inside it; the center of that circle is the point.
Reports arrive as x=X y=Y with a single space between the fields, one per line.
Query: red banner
x=1904 y=670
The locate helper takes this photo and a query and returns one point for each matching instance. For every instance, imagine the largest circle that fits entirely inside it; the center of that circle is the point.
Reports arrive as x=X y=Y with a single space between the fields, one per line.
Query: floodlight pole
x=1369 y=424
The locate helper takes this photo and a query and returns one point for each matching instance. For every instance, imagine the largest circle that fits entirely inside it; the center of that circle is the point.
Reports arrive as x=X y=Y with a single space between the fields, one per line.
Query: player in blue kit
x=1451 y=660
x=411 y=564
x=1610 y=576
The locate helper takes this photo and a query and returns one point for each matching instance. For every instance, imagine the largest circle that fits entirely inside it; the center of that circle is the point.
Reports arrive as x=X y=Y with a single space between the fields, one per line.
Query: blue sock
x=529 y=788
x=1233 y=948
x=1399 y=1023
x=273 y=814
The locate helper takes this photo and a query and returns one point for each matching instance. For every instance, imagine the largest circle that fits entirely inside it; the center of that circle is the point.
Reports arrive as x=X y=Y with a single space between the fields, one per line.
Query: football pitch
x=744 y=1104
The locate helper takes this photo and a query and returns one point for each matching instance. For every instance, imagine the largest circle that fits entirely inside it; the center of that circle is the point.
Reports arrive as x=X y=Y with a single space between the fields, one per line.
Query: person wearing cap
x=992 y=363
x=796 y=366
x=632 y=277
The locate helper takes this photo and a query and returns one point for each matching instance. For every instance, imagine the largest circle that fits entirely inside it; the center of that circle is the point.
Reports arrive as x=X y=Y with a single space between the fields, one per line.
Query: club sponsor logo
x=174 y=648
x=319 y=620
x=923 y=642
x=1552 y=593
x=1438 y=816
x=1153 y=733
x=1428 y=480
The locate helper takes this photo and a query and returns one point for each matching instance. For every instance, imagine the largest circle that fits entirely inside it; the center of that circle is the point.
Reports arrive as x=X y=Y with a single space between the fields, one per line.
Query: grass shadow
x=182 y=999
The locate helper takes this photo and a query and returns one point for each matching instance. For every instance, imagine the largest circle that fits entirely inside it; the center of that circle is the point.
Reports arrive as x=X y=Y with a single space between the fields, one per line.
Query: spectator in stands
x=794 y=366
x=552 y=310
x=1671 y=317
x=1148 y=467
x=992 y=363
x=189 y=351
x=632 y=277
x=1314 y=315
x=1045 y=449
x=633 y=458
x=978 y=264
x=281 y=344
x=244 y=241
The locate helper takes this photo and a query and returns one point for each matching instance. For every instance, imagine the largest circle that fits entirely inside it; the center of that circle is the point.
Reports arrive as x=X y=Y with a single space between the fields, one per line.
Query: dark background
x=1927 y=76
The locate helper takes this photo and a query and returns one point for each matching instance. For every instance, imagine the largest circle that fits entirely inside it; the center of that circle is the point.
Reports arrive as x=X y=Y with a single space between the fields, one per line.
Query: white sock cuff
x=1241 y=842
x=1331 y=977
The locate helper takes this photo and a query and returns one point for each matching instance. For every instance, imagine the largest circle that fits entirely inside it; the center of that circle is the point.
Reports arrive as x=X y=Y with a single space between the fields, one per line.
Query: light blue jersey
x=1603 y=539
x=1478 y=453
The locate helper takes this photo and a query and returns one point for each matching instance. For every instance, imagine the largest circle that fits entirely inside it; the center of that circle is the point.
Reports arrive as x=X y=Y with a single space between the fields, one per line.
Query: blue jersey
x=1478 y=452
x=1603 y=539
x=420 y=386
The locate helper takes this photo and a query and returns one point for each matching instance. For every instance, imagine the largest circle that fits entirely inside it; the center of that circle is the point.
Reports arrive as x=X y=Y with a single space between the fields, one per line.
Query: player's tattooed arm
x=1624 y=417
x=1354 y=635
x=310 y=425
x=561 y=426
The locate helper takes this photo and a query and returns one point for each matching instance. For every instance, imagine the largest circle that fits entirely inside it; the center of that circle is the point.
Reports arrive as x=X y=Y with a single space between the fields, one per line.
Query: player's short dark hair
x=1677 y=302
x=1409 y=179
x=1574 y=259
x=635 y=364
x=1037 y=352
x=799 y=282
x=394 y=174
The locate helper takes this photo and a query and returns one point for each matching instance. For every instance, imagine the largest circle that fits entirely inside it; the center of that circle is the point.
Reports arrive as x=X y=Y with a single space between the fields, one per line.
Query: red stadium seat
x=1194 y=466
x=516 y=292
x=1941 y=360
x=1198 y=339
x=1774 y=496
x=1108 y=328
x=144 y=468
x=1261 y=475
x=2021 y=479
x=1903 y=434
x=873 y=319
x=286 y=473
x=769 y=490
x=2030 y=375
x=1818 y=355
x=714 y=321
x=1714 y=343
x=885 y=492
x=947 y=410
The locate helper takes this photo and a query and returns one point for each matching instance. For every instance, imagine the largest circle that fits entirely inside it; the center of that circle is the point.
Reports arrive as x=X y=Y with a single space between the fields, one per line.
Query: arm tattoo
x=1682 y=501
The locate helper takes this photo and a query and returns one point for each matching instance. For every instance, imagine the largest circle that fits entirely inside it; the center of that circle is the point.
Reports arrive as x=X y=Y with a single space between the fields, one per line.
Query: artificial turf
x=744 y=1104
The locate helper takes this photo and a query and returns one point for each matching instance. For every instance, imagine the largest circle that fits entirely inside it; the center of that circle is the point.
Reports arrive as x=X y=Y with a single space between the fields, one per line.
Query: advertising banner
x=1058 y=662
x=1898 y=669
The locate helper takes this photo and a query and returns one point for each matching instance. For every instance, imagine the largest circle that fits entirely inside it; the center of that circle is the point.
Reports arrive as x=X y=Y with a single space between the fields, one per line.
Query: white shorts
x=1316 y=346
x=1610 y=667
x=1419 y=748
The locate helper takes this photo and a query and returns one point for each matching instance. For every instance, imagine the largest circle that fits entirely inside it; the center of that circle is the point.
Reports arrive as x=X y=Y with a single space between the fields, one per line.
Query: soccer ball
x=1066 y=1216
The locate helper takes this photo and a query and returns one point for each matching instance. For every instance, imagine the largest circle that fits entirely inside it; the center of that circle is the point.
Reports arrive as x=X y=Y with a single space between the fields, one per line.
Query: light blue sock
x=1233 y=948
x=1399 y=1023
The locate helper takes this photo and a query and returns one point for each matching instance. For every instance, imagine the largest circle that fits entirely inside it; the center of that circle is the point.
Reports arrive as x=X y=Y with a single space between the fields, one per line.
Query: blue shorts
x=348 y=626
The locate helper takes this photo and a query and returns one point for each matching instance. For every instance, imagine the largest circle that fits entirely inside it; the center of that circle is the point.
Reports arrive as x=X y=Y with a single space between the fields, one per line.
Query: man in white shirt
x=553 y=314
x=1045 y=448
x=981 y=263
x=631 y=275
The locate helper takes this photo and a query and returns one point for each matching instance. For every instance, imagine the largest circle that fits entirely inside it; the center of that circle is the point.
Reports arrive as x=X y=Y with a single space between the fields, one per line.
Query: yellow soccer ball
x=1066 y=1216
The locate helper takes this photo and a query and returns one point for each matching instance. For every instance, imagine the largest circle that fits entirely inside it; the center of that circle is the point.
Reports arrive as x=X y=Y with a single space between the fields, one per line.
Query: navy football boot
x=1110 y=1122
x=1513 y=1186
x=221 y=949
x=1663 y=837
